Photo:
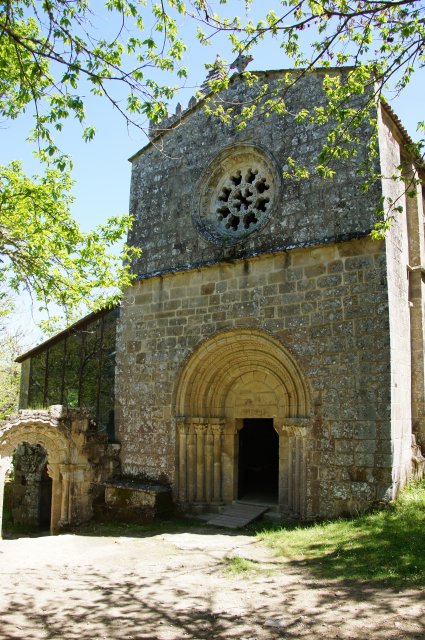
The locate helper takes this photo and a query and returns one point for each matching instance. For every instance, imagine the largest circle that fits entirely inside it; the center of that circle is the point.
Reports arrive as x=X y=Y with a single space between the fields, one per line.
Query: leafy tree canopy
x=52 y=52
x=44 y=250
x=11 y=343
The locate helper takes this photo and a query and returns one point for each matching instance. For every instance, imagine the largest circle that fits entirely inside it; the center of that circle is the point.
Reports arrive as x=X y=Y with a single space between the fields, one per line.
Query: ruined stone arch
x=237 y=375
x=76 y=455
x=42 y=432
x=45 y=430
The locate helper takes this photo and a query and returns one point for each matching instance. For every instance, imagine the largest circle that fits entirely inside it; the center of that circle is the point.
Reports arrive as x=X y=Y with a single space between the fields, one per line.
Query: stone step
x=237 y=515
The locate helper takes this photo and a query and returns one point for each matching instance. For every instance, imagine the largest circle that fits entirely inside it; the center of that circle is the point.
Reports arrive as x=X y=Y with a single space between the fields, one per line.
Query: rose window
x=236 y=194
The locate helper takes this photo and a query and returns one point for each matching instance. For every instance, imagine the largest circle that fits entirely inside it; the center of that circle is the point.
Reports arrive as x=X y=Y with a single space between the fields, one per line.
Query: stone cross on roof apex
x=241 y=63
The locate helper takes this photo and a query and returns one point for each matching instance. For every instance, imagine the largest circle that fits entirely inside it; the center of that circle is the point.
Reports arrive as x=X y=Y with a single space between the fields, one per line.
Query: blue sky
x=101 y=170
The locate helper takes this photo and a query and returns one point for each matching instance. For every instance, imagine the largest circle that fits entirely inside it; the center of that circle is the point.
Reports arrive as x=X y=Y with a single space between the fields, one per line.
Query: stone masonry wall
x=329 y=307
x=27 y=484
x=167 y=176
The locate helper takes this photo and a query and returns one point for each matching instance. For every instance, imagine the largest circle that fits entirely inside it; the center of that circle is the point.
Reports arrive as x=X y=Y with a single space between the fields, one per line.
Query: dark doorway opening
x=45 y=499
x=258 y=460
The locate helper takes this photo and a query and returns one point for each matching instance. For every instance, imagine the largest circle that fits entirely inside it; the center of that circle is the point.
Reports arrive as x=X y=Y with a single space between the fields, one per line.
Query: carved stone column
x=209 y=465
x=53 y=469
x=292 y=469
x=183 y=431
x=191 y=465
x=303 y=484
x=291 y=472
x=283 y=470
x=200 y=430
x=297 y=473
x=217 y=431
x=65 y=502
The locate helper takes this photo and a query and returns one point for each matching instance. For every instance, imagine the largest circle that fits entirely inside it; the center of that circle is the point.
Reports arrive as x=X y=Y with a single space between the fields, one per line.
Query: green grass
x=238 y=565
x=235 y=565
x=386 y=545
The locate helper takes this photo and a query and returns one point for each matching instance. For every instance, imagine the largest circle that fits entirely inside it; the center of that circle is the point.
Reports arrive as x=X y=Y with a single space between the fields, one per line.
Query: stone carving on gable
x=236 y=195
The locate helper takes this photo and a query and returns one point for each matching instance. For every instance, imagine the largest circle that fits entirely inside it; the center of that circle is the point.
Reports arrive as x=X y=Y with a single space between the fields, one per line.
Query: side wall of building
x=328 y=307
x=404 y=252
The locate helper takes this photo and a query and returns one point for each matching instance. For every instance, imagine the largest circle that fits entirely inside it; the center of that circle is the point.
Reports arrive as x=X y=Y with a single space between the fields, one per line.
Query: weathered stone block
x=132 y=501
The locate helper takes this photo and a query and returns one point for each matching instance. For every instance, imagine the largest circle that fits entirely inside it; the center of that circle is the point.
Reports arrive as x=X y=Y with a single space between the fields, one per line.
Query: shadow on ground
x=173 y=586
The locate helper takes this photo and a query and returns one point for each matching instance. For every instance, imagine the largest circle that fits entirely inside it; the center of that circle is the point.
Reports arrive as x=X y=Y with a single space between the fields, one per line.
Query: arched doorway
x=242 y=391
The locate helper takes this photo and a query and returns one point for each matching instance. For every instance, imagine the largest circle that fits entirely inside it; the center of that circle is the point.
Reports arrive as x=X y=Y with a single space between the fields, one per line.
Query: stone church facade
x=269 y=349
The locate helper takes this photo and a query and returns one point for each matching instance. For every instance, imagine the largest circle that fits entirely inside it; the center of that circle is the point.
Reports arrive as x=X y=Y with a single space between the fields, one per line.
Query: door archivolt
x=211 y=372
x=233 y=376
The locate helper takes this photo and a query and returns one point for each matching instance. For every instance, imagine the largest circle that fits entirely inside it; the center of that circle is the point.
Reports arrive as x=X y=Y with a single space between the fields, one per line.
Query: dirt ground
x=174 y=586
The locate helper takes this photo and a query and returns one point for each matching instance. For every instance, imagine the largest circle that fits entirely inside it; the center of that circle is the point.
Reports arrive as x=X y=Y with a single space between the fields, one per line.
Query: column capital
x=183 y=428
x=53 y=469
x=66 y=470
x=200 y=429
x=217 y=428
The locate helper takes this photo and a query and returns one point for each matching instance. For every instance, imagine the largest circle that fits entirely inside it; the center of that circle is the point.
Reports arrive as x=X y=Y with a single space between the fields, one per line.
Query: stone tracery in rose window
x=243 y=200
